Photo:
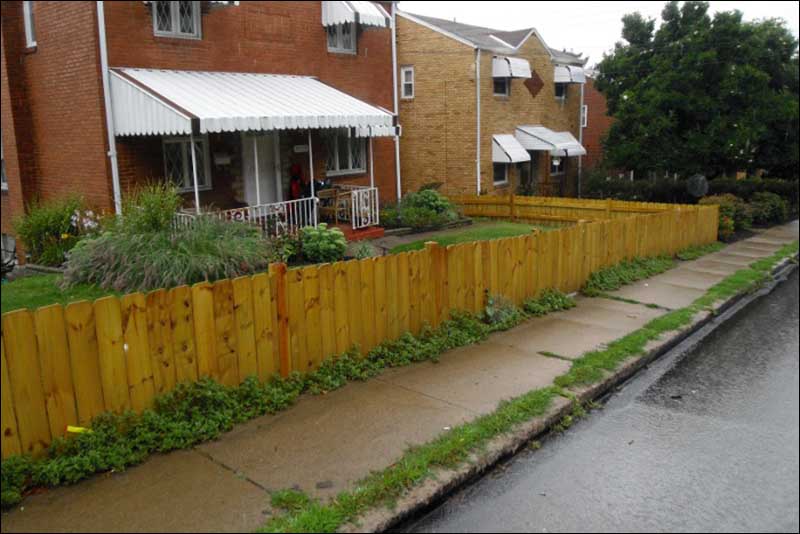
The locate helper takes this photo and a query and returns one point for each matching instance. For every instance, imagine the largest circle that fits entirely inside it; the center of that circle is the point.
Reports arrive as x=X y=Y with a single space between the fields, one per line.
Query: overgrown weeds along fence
x=63 y=365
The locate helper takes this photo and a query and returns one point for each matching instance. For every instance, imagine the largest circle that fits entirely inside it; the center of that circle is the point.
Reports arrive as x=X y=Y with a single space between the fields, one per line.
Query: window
x=407 y=82
x=30 y=30
x=178 y=163
x=557 y=165
x=502 y=86
x=500 y=173
x=561 y=91
x=346 y=154
x=176 y=19
x=342 y=38
x=3 y=177
x=584 y=116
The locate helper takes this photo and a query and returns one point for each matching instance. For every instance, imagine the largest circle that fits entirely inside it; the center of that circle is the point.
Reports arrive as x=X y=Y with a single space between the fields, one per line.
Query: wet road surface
x=706 y=440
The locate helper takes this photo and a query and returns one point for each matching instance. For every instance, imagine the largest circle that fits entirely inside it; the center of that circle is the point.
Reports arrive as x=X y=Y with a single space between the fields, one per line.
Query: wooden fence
x=63 y=365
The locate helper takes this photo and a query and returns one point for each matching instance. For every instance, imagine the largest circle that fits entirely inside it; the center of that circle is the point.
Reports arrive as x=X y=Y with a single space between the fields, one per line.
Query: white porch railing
x=274 y=219
x=290 y=216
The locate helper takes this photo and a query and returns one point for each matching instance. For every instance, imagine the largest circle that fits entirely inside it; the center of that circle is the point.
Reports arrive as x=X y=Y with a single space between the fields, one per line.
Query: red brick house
x=596 y=122
x=98 y=97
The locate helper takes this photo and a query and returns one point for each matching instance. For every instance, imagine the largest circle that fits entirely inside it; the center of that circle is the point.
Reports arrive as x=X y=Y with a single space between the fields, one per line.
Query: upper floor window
x=584 y=116
x=346 y=154
x=177 y=19
x=342 y=38
x=178 y=163
x=30 y=29
x=561 y=91
x=407 y=82
x=502 y=86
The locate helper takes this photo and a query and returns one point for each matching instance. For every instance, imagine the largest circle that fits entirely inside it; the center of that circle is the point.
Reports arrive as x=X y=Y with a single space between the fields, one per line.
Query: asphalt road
x=704 y=440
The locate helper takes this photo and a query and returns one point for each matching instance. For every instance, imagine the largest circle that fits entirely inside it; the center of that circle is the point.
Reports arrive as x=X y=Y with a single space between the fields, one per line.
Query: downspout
x=396 y=105
x=112 y=141
x=478 y=114
x=580 y=140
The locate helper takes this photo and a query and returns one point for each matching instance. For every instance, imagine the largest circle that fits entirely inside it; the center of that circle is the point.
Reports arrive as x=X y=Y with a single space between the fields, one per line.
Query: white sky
x=588 y=27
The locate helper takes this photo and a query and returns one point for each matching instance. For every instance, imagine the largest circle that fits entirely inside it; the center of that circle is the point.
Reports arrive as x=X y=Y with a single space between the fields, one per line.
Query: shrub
x=426 y=209
x=49 y=230
x=322 y=244
x=208 y=250
x=150 y=208
x=768 y=208
x=732 y=207
x=746 y=189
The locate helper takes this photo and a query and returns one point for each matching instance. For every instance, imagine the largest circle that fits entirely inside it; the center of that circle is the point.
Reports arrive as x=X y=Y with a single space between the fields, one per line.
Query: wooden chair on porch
x=334 y=204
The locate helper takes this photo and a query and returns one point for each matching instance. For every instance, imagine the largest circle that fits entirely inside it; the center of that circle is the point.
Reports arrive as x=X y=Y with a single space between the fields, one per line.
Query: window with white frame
x=176 y=19
x=178 y=163
x=502 y=86
x=3 y=177
x=557 y=165
x=342 y=38
x=30 y=29
x=500 y=173
x=407 y=82
x=346 y=154
x=561 y=91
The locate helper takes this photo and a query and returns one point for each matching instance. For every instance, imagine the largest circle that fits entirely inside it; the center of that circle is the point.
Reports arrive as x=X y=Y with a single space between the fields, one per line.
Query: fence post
x=608 y=209
x=279 y=270
x=438 y=270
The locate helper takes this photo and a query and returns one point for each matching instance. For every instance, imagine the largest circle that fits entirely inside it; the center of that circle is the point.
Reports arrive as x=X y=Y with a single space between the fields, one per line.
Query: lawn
x=40 y=290
x=478 y=232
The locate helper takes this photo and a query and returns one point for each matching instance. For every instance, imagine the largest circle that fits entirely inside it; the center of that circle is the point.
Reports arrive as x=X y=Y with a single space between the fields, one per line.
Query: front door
x=261 y=168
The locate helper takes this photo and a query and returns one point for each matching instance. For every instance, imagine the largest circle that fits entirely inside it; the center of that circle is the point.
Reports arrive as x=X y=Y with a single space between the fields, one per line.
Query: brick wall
x=597 y=125
x=439 y=122
x=265 y=37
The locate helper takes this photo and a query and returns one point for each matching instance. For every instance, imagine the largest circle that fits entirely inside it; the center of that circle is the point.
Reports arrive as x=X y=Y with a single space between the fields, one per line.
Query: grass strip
x=693 y=253
x=452 y=448
x=624 y=273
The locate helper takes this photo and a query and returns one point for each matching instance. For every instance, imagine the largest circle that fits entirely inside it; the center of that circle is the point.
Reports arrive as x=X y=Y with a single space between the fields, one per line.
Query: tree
x=702 y=94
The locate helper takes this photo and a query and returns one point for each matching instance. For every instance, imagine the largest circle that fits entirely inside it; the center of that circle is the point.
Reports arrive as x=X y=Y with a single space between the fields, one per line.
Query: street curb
x=445 y=482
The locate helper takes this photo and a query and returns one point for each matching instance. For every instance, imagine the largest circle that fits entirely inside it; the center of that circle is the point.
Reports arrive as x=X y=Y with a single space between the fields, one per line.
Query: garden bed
x=480 y=230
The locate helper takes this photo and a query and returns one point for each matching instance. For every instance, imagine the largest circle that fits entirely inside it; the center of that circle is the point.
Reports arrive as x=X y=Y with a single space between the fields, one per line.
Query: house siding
x=597 y=125
x=439 y=123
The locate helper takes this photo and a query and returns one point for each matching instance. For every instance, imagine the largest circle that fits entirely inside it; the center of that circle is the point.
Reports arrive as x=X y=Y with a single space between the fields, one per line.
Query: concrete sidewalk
x=324 y=444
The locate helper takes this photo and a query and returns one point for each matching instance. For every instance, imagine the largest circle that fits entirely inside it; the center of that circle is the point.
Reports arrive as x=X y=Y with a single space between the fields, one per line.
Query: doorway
x=261 y=161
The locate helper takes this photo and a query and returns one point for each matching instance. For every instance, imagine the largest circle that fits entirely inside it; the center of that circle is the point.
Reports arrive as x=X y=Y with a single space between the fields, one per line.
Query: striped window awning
x=510 y=67
x=506 y=149
x=541 y=138
x=569 y=74
x=358 y=11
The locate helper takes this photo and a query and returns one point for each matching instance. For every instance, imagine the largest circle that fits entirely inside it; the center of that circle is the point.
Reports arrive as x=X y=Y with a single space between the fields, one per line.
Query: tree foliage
x=702 y=94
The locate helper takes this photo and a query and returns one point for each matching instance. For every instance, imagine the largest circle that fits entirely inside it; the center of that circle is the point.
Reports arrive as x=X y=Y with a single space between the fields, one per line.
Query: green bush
x=208 y=250
x=423 y=210
x=732 y=207
x=322 y=244
x=50 y=229
x=746 y=189
x=150 y=208
x=768 y=208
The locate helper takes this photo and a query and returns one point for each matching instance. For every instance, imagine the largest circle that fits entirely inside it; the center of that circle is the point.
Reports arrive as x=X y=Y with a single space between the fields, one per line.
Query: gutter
x=396 y=105
x=112 y=142
x=478 y=116
x=580 y=140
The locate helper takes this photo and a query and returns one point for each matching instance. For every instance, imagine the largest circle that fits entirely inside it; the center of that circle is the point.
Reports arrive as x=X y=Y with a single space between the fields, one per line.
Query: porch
x=296 y=153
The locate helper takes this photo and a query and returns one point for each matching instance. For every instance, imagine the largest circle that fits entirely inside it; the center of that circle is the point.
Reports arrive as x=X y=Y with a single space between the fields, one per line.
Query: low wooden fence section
x=63 y=365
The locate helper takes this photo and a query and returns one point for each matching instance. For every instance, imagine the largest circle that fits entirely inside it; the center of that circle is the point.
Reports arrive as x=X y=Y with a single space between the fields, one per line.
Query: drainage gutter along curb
x=445 y=482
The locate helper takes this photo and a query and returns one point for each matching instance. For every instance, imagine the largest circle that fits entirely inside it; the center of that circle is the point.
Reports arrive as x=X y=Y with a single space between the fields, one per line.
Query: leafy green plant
x=549 y=300
x=426 y=209
x=692 y=253
x=625 y=272
x=207 y=250
x=500 y=311
x=732 y=207
x=365 y=250
x=322 y=244
x=768 y=208
x=150 y=208
x=50 y=229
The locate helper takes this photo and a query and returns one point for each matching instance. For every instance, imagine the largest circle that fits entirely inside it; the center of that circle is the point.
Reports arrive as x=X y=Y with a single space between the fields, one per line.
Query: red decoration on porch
x=534 y=84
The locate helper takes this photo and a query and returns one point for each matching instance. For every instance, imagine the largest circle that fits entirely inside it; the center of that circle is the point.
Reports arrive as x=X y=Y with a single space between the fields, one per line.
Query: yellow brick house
x=486 y=110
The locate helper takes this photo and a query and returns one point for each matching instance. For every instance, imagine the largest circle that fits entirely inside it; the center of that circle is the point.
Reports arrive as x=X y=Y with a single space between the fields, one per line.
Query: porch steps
x=370 y=232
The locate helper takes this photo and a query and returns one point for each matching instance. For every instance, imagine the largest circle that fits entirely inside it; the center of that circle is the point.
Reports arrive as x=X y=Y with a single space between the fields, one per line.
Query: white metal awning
x=506 y=149
x=510 y=67
x=359 y=11
x=569 y=74
x=164 y=102
x=541 y=138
